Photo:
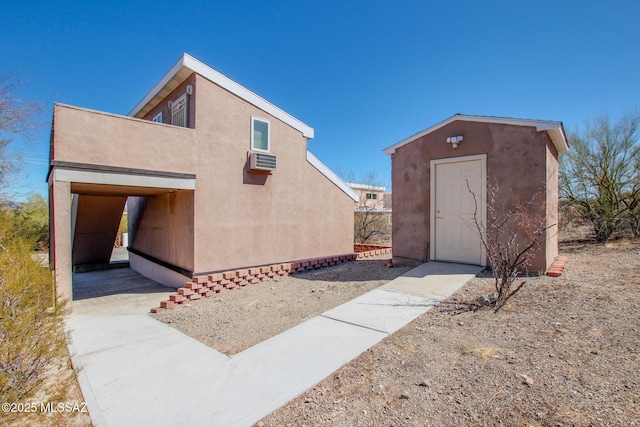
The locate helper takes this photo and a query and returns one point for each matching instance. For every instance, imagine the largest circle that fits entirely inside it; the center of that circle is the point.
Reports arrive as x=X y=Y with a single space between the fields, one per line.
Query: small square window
x=157 y=118
x=372 y=196
x=259 y=135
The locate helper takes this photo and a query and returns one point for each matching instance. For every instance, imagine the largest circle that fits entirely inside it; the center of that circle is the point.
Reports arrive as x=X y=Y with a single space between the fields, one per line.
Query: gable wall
x=516 y=162
x=163 y=107
x=245 y=219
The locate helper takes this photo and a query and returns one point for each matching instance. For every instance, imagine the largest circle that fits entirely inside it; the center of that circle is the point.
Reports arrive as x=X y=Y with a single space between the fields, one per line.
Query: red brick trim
x=557 y=268
x=207 y=286
x=366 y=251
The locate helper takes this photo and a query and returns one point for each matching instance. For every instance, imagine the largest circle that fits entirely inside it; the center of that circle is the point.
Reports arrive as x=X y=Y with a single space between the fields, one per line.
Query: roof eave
x=553 y=128
x=196 y=66
x=323 y=169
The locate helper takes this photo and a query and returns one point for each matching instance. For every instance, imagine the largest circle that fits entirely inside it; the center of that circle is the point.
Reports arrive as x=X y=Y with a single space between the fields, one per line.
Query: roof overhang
x=553 y=128
x=324 y=170
x=187 y=65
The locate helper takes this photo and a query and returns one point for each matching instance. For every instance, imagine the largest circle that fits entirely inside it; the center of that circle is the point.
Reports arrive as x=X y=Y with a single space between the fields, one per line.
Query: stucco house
x=432 y=205
x=216 y=178
x=371 y=197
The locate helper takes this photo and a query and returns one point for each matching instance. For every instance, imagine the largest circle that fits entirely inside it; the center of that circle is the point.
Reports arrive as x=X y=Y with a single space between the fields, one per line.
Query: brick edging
x=557 y=267
x=209 y=285
x=373 y=252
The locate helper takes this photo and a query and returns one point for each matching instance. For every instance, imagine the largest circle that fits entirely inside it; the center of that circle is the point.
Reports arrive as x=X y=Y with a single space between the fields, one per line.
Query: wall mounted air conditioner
x=262 y=162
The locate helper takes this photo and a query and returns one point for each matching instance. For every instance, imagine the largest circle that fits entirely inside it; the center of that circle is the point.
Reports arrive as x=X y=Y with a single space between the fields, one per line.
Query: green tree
x=33 y=221
x=600 y=175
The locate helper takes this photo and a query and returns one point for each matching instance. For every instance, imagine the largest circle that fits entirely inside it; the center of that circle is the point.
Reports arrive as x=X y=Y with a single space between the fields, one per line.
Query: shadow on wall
x=253 y=178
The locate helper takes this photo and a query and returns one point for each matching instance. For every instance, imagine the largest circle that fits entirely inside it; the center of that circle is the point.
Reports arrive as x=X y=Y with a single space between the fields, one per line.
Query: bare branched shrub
x=510 y=239
x=372 y=216
x=31 y=331
x=17 y=119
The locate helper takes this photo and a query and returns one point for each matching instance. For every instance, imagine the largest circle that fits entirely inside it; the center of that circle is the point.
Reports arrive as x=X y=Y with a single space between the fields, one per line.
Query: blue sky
x=363 y=74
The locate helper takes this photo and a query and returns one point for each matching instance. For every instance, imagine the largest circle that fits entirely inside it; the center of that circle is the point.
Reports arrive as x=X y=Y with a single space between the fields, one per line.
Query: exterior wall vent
x=262 y=162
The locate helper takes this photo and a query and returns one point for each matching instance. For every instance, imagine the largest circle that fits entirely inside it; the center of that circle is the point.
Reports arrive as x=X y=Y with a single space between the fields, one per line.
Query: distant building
x=372 y=198
x=372 y=219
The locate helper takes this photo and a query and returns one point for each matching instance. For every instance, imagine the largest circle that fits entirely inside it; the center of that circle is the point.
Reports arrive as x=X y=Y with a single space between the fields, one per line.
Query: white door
x=455 y=232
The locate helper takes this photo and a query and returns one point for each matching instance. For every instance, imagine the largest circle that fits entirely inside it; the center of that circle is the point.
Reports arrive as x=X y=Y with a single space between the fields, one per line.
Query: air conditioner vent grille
x=262 y=162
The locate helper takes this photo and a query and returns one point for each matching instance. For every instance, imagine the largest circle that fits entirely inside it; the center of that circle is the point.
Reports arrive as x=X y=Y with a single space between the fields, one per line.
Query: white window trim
x=157 y=118
x=253 y=120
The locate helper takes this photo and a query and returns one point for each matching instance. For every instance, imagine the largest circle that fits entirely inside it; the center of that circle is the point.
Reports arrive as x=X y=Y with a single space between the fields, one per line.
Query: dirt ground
x=235 y=320
x=563 y=352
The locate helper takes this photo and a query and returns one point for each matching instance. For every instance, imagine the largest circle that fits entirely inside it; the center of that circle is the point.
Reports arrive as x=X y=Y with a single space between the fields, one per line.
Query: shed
x=437 y=172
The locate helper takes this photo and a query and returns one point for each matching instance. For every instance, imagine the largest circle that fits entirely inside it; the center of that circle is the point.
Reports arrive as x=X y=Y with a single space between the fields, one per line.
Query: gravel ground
x=563 y=352
x=235 y=320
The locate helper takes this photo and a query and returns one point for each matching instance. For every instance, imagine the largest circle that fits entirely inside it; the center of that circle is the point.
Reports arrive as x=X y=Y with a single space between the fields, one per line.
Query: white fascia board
x=225 y=82
x=365 y=187
x=162 y=83
x=323 y=169
x=555 y=129
x=106 y=178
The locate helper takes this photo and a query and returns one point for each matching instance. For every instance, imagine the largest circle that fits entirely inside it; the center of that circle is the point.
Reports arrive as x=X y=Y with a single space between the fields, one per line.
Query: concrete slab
x=381 y=310
x=103 y=275
x=130 y=302
x=436 y=280
x=116 y=292
x=149 y=375
x=270 y=374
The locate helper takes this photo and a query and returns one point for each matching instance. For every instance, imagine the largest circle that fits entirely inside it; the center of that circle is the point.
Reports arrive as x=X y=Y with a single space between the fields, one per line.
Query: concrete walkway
x=138 y=371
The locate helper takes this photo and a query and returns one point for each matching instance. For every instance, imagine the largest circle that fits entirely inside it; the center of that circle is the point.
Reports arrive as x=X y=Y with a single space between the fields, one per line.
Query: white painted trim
x=162 y=83
x=257 y=119
x=181 y=100
x=157 y=118
x=554 y=129
x=89 y=177
x=432 y=199
x=225 y=82
x=74 y=216
x=323 y=169
x=156 y=272
x=366 y=187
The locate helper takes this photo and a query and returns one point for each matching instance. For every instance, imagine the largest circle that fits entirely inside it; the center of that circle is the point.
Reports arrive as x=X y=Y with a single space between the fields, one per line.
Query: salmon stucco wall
x=516 y=168
x=162 y=227
x=96 y=138
x=245 y=218
x=242 y=218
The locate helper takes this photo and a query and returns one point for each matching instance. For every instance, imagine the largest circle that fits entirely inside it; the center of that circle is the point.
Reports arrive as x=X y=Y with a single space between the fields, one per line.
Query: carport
x=101 y=162
x=87 y=202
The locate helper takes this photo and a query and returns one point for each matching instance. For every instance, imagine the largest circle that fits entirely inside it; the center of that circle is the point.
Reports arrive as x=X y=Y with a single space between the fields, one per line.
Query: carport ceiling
x=116 y=190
